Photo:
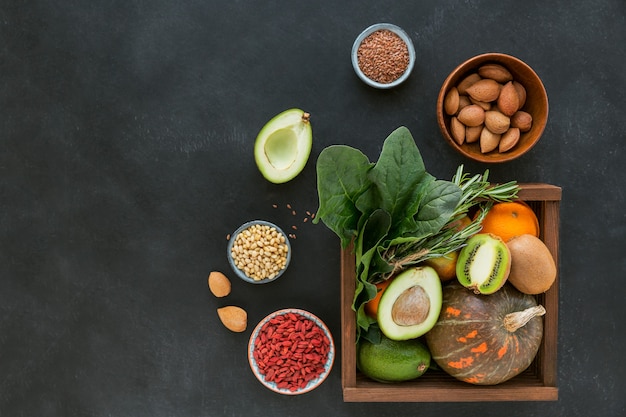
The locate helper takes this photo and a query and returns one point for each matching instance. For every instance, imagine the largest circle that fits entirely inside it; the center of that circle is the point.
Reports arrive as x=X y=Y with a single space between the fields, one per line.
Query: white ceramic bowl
x=398 y=31
x=240 y=273
x=291 y=359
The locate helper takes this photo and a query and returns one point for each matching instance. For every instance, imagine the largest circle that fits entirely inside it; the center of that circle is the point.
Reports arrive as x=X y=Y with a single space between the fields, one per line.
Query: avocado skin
x=393 y=361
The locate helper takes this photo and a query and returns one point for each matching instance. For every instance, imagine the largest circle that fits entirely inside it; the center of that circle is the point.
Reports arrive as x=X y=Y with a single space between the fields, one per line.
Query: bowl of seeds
x=383 y=56
x=259 y=252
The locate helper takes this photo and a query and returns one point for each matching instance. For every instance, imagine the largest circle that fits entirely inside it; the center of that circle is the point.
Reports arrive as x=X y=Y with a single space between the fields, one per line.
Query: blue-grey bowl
x=398 y=31
x=240 y=273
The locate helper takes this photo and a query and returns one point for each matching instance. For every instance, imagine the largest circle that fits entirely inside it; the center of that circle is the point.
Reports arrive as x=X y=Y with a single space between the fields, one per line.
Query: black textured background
x=126 y=134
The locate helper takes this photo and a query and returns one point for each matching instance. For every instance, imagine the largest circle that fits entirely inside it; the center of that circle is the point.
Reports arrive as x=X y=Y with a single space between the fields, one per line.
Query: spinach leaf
x=341 y=179
x=436 y=207
x=397 y=179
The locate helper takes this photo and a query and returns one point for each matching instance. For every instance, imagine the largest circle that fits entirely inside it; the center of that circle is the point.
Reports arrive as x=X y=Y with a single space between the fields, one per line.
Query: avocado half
x=283 y=146
x=411 y=304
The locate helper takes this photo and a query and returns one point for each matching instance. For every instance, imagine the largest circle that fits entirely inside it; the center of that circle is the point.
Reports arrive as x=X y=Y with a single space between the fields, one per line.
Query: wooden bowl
x=536 y=105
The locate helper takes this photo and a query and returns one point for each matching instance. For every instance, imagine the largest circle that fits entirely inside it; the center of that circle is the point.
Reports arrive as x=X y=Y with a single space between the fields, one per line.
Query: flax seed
x=383 y=56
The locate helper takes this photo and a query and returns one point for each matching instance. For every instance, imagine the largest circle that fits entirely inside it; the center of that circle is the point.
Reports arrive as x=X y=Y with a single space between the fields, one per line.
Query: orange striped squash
x=486 y=339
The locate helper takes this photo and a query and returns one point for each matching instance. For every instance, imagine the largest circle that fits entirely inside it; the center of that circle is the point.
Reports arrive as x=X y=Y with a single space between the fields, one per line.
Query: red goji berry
x=291 y=350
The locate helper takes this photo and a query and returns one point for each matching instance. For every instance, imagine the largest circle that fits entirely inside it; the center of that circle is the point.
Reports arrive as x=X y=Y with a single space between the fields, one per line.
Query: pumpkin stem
x=514 y=321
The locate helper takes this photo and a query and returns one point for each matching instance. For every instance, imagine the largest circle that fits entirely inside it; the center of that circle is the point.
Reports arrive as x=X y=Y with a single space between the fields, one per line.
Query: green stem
x=476 y=191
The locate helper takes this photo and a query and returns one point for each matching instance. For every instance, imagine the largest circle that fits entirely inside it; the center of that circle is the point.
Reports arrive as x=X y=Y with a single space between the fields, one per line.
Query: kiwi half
x=484 y=264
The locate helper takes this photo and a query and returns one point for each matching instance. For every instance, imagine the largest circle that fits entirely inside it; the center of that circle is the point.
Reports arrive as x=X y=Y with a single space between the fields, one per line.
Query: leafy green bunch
x=395 y=212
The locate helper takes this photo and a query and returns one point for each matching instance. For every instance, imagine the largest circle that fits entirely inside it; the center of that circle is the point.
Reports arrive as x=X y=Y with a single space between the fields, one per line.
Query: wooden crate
x=537 y=383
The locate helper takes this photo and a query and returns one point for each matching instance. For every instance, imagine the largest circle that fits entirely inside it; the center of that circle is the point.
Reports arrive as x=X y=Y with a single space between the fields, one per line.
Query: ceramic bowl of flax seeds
x=383 y=56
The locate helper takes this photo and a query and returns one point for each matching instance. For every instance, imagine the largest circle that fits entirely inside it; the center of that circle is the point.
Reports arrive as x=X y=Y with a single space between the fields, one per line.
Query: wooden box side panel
x=538 y=383
x=348 y=319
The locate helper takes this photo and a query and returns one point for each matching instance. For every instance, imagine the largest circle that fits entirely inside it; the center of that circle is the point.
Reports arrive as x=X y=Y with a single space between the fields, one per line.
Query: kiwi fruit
x=484 y=264
x=533 y=270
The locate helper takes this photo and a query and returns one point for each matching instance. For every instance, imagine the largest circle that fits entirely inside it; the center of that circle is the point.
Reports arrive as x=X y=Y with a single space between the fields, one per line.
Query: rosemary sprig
x=476 y=191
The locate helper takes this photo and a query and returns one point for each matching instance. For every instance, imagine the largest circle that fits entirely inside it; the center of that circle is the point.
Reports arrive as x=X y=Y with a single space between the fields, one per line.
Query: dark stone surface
x=126 y=133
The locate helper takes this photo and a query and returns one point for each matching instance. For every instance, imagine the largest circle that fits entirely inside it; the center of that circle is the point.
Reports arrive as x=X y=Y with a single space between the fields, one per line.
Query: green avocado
x=411 y=304
x=283 y=146
x=393 y=360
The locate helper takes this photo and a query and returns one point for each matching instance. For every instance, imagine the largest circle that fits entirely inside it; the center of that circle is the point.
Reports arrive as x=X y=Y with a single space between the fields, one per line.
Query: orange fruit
x=511 y=219
x=371 y=307
x=461 y=223
x=444 y=265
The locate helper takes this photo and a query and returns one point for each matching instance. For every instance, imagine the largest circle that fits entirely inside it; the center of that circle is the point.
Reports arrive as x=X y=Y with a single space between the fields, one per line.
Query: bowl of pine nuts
x=259 y=252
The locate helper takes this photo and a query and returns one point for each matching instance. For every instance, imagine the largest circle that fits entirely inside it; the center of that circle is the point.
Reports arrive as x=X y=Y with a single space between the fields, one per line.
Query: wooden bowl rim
x=539 y=120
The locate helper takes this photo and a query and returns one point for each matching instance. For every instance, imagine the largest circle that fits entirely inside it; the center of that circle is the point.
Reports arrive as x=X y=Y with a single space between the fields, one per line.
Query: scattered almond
x=497 y=122
x=484 y=90
x=495 y=72
x=233 y=318
x=523 y=120
x=508 y=101
x=509 y=139
x=472 y=115
x=451 y=102
x=219 y=284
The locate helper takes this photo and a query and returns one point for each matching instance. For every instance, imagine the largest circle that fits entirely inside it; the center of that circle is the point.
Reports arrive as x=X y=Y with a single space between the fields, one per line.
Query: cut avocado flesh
x=283 y=146
x=411 y=304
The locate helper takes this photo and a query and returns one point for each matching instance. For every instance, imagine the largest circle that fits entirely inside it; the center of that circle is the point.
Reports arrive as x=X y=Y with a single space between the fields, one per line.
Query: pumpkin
x=486 y=339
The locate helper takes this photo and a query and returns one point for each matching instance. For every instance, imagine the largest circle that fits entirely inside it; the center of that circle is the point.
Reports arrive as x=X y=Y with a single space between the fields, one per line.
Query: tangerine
x=461 y=223
x=371 y=307
x=445 y=265
x=510 y=219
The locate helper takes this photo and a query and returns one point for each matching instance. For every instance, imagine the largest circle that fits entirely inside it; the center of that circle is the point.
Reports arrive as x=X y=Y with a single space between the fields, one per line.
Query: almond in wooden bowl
x=521 y=98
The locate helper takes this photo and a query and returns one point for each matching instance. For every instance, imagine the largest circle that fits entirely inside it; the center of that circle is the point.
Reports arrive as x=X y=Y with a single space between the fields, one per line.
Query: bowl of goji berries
x=291 y=351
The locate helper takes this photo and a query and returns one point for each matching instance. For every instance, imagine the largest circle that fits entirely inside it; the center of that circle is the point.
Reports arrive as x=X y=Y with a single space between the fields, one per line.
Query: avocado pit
x=411 y=307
